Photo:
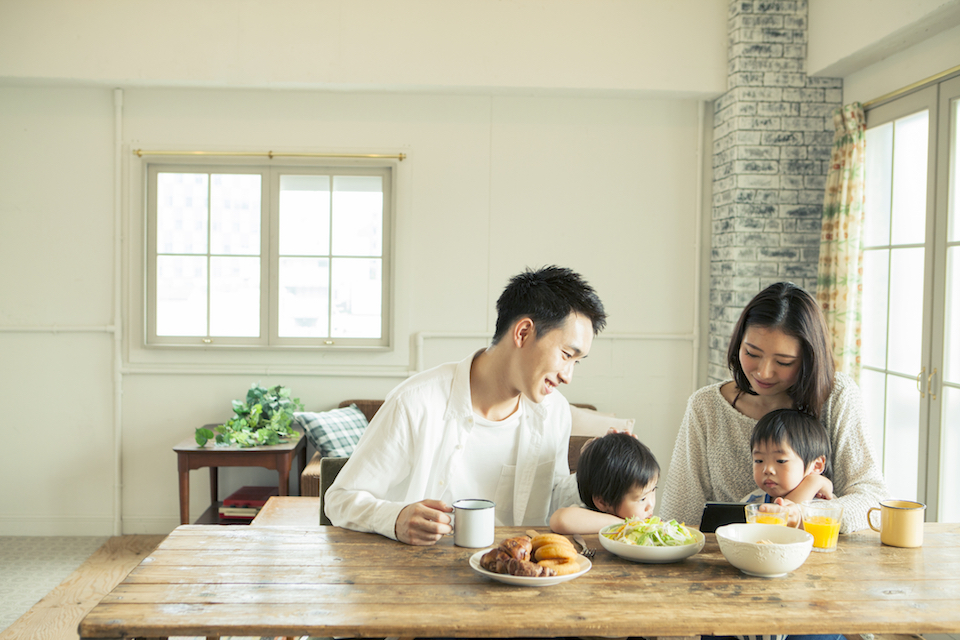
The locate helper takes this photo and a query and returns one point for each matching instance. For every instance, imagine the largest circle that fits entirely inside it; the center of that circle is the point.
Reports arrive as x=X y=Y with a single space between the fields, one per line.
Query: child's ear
x=818 y=465
x=600 y=504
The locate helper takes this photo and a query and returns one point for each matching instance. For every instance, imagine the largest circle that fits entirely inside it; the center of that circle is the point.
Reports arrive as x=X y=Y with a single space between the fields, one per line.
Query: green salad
x=652 y=532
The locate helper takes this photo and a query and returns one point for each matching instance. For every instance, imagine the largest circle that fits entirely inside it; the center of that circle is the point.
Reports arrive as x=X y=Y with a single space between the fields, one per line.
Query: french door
x=910 y=347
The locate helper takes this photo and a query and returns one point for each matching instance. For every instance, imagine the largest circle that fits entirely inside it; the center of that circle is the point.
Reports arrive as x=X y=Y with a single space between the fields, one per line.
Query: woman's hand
x=782 y=505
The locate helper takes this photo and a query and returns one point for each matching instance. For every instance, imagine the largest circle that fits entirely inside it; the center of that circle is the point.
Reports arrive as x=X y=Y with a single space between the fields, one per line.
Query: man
x=492 y=426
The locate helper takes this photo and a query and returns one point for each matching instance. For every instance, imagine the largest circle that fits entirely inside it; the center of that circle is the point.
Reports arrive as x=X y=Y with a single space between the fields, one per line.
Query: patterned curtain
x=839 y=274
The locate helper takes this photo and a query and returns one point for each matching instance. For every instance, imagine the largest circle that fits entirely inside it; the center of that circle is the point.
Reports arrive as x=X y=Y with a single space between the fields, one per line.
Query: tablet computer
x=717 y=514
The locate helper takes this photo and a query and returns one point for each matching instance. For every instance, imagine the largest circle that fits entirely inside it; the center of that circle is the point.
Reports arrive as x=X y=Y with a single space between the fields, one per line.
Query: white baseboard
x=84 y=525
x=56 y=525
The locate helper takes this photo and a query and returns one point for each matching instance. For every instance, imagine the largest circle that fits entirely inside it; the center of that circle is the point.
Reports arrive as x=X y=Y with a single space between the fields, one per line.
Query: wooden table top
x=326 y=581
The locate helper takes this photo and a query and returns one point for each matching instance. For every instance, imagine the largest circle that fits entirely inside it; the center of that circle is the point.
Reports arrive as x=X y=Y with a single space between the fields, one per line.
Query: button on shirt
x=409 y=452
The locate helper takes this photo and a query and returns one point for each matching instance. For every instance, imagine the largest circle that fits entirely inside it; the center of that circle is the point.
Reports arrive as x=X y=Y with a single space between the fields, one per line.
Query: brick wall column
x=773 y=131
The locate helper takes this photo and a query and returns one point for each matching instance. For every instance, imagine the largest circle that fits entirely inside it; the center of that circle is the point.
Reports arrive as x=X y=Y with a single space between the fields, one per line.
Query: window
x=253 y=256
x=910 y=344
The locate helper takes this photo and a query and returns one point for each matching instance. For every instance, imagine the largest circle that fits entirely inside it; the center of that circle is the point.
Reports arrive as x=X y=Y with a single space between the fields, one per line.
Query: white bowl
x=651 y=555
x=783 y=551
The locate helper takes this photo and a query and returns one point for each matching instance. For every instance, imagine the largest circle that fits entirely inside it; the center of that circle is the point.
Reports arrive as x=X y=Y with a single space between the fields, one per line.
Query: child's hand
x=794 y=517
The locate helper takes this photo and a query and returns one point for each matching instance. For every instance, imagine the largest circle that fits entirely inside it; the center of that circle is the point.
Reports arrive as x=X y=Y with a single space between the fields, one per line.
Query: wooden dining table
x=305 y=579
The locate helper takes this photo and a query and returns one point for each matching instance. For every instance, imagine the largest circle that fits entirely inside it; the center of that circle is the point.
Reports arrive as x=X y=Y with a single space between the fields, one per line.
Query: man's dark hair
x=547 y=296
x=788 y=308
x=798 y=430
x=611 y=466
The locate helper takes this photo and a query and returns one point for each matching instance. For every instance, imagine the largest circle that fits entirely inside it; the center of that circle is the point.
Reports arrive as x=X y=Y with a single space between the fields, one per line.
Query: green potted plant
x=262 y=419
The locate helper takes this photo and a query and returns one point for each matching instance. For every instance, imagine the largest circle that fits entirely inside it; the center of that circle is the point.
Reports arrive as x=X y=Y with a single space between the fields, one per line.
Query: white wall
x=491 y=185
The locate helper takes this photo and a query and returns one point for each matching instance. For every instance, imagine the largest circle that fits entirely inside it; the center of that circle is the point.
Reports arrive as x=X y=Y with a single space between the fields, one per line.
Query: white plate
x=525 y=581
x=651 y=555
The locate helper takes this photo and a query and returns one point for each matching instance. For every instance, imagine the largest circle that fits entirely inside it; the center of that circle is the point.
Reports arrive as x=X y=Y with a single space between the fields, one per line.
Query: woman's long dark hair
x=788 y=308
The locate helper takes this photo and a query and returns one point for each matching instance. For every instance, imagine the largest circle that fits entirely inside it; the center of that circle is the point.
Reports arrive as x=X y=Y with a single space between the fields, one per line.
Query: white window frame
x=269 y=255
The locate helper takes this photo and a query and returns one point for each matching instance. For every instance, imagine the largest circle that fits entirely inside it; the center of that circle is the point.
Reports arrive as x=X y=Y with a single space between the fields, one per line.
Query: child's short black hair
x=800 y=431
x=609 y=467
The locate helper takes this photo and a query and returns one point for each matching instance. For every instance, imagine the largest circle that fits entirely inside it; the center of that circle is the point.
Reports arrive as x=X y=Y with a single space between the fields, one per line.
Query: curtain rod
x=916 y=86
x=269 y=154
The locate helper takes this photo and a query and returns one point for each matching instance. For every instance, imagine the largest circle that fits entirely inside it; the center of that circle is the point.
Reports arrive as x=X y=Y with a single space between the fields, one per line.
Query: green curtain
x=840 y=270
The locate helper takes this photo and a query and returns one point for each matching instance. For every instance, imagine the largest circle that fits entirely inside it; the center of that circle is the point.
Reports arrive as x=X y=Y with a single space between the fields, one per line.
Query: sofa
x=587 y=424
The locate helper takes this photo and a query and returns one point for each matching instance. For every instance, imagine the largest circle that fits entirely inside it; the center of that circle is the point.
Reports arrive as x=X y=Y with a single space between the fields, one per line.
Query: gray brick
x=782 y=138
x=826 y=83
x=758 y=21
x=779 y=254
x=822 y=153
x=726 y=183
x=833 y=95
x=800 y=239
x=810 y=196
x=758 y=94
x=794 y=153
x=801 y=167
x=817 y=110
x=723 y=225
x=797 y=22
x=758 y=153
x=803 y=95
x=722 y=268
x=783 y=79
x=738 y=7
x=818 y=138
x=756 y=166
x=816 y=183
x=776 y=6
x=809 y=226
x=758 y=49
x=778 y=109
x=795 y=51
x=788 y=196
x=755 y=210
x=758 y=269
x=745 y=79
x=782 y=36
x=767 y=65
x=800 y=211
x=791 y=182
x=759 y=124
x=740 y=35
x=767 y=196
x=798 y=270
x=803 y=124
x=757 y=181
x=773 y=226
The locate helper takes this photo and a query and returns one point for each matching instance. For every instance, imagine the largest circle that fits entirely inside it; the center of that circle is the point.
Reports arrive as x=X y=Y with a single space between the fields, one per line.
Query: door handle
x=933 y=396
x=920 y=388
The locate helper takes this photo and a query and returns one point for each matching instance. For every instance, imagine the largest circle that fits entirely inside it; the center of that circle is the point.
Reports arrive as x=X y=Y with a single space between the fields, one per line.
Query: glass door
x=910 y=349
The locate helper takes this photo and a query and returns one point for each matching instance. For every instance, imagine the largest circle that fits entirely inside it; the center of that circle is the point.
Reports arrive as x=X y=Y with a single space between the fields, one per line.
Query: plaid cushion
x=333 y=433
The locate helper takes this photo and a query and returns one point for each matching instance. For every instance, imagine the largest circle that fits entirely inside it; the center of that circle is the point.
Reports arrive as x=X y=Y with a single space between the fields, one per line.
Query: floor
x=31 y=566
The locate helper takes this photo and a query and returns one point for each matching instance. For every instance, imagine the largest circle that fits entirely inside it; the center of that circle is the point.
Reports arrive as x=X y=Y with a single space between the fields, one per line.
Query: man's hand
x=423 y=523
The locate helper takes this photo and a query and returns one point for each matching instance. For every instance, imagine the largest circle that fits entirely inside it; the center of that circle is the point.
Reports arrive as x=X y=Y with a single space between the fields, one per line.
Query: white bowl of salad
x=652 y=540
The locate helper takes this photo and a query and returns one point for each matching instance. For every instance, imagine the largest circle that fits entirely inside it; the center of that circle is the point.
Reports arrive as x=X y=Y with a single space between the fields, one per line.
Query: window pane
x=235 y=214
x=181 y=213
x=304 y=215
x=910 y=179
x=906 y=310
x=356 y=298
x=901 y=448
x=357 y=215
x=949 y=453
x=873 y=336
x=951 y=318
x=953 y=215
x=874 y=400
x=303 y=298
x=235 y=297
x=879 y=173
x=181 y=296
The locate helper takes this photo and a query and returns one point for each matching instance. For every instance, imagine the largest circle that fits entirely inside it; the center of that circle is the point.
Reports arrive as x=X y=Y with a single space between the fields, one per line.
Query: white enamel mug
x=473 y=522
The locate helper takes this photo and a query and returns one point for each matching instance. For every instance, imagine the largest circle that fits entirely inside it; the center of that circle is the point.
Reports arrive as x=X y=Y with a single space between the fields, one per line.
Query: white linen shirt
x=409 y=453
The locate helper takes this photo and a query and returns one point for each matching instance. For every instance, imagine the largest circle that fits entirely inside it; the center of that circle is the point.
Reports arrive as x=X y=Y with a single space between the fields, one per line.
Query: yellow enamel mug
x=901 y=522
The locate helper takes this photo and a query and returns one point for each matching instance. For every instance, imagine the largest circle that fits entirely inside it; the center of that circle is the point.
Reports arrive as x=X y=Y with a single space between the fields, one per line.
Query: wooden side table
x=278 y=457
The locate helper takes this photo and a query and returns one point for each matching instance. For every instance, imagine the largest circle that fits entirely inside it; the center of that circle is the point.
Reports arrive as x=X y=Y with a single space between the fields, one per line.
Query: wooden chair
x=329 y=468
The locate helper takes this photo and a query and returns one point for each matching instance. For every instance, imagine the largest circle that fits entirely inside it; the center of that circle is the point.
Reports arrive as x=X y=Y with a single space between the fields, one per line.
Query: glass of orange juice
x=821 y=519
x=754 y=514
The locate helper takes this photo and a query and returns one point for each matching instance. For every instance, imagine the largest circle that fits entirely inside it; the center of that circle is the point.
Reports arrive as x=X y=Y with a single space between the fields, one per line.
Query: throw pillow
x=592 y=423
x=333 y=433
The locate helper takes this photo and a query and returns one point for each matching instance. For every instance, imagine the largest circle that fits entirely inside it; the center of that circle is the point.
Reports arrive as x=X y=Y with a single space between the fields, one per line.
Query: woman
x=779 y=358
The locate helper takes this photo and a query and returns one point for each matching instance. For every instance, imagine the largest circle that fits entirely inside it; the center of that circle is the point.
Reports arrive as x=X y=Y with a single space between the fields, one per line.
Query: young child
x=791 y=458
x=617 y=478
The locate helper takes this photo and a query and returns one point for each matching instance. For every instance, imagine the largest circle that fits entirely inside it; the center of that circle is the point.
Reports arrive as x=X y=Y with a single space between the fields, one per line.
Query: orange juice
x=824 y=531
x=771 y=518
